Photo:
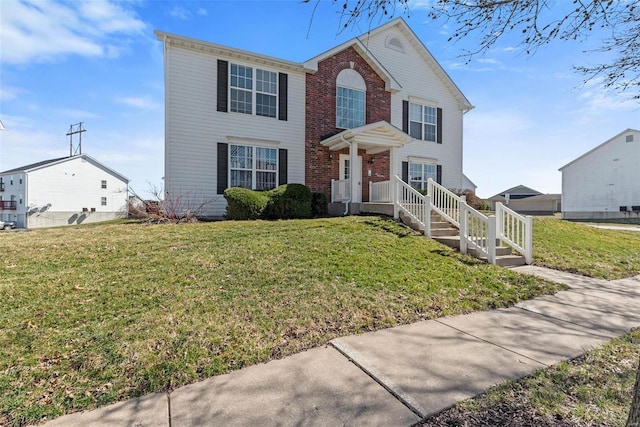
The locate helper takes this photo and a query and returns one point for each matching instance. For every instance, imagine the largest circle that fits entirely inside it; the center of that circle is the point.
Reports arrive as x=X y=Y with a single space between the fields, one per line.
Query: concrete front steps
x=446 y=233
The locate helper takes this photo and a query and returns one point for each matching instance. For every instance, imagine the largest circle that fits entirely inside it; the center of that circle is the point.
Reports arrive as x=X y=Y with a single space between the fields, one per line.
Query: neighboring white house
x=375 y=106
x=604 y=183
x=63 y=191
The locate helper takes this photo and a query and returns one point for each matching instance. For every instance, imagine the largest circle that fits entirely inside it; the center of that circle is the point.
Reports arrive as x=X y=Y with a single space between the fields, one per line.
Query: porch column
x=355 y=173
x=393 y=171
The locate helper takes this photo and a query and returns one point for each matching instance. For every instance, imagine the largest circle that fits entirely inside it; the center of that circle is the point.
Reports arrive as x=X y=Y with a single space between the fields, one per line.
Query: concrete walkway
x=396 y=376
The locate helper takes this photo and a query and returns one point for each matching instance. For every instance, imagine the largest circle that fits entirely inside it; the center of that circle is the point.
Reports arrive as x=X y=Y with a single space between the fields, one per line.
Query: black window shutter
x=283 y=90
x=405 y=172
x=223 y=167
x=282 y=166
x=439 y=126
x=405 y=116
x=439 y=174
x=223 y=85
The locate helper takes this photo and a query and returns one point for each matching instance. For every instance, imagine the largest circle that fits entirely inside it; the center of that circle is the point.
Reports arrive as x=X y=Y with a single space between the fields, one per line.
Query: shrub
x=243 y=203
x=319 y=204
x=288 y=201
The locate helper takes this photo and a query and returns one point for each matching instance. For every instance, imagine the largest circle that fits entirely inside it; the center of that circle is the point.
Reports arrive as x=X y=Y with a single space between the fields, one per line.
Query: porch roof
x=373 y=138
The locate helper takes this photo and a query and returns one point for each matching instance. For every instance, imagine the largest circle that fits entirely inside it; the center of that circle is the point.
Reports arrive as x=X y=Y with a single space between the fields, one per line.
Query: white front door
x=346 y=172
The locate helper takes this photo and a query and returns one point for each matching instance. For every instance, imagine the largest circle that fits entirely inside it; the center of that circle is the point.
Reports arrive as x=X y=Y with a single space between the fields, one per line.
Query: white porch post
x=393 y=186
x=355 y=173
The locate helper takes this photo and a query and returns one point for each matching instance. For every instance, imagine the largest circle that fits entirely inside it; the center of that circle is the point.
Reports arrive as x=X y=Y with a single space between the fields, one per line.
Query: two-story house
x=62 y=191
x=376 y=106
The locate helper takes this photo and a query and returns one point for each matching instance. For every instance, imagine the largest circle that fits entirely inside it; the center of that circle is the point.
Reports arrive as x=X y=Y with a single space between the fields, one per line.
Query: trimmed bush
x=319 y=204
x=288 y=201
x=243 y=203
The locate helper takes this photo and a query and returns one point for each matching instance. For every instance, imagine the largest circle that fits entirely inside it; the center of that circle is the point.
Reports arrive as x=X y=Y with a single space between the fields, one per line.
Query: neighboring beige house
x=376 y=106
x=63 y=191
x=527 y=201
x=604 y=182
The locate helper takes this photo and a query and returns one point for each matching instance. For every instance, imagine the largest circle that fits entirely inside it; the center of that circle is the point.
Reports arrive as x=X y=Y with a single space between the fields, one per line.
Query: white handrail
x=415 y=205
x=443 y=201
x=380 y=192
x=478 y=232
x=340 y=190
x=515 y=230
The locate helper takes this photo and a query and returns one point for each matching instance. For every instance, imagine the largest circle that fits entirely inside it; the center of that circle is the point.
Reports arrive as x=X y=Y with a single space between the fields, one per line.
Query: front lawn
x=95 y=314
x=579 y=248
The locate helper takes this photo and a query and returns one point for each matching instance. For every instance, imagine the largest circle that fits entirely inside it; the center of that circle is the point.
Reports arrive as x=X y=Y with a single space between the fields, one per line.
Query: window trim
x=254 y=165
x=422 y=173
x=422 y=121
x=277 y=94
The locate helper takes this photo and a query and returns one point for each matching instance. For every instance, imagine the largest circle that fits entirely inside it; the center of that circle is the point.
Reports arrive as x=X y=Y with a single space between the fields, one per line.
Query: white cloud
x=43 y=31
x=180 y=13
x=142 y=103
x=9 y=93
x=202 y=12
x=78 y=115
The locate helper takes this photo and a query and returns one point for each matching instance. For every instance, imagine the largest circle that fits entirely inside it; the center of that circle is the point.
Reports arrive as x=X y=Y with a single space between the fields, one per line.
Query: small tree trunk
x=634 y=414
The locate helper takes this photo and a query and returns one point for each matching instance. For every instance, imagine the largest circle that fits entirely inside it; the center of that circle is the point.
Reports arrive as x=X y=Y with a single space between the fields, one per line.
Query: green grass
x=578 y=248
x=95 y=314
x=593 y=389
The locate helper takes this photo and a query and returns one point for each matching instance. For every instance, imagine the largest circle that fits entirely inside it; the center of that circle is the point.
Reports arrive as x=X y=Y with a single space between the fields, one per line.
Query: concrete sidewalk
x=396 y=376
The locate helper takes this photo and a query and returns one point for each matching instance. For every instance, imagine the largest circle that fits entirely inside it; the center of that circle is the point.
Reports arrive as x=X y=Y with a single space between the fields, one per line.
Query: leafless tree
x=537 y=23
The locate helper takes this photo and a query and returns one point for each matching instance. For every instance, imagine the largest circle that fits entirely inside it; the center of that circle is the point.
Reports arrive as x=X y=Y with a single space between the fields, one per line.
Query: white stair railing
x=340 y=190
x=443 y=201
x=380 y=192
x=515 y=230
x=478 y=232
x=415 y=205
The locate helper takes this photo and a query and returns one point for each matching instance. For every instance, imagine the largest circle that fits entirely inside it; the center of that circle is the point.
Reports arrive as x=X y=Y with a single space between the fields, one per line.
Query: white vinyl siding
x=194 y=127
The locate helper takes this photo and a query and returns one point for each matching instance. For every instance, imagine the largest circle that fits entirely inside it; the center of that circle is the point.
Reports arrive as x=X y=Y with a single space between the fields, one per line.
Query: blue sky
x=98 y=61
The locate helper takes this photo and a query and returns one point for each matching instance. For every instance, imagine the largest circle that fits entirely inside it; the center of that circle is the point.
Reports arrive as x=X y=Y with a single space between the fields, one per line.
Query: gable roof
x=518 y=189
x=359 y=43
x=46 y=163
x=628 y=130
x=373 y=138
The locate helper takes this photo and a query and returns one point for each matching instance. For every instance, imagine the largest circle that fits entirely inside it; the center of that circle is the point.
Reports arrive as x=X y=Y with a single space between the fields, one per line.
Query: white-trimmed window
x=244 y=93
x=253 y=167
x=103 y=184
x=266 y=93
x=419 y=174
x=103 y=201
x=241 y=89
x=423 y=122
x=350 y=99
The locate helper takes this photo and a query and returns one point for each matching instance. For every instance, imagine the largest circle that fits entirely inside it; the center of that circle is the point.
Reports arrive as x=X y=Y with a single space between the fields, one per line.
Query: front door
x=346 y=172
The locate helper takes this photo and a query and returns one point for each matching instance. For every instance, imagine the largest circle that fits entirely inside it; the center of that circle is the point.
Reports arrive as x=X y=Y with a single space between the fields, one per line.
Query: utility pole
x=75 y=130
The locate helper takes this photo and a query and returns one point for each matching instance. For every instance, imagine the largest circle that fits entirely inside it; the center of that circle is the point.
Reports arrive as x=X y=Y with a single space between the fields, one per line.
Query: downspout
x=346 y=205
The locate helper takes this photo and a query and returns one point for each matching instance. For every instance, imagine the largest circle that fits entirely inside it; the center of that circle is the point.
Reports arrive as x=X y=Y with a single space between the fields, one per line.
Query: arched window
x=350 y=99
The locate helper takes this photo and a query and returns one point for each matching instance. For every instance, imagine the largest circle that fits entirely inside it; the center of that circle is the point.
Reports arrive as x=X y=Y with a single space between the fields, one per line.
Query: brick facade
x=323 y=165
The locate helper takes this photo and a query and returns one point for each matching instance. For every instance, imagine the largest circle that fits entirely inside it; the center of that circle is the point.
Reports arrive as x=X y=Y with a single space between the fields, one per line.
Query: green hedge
x=285 y=202
x=243 y=203
x=319 y=204
x=288 y=201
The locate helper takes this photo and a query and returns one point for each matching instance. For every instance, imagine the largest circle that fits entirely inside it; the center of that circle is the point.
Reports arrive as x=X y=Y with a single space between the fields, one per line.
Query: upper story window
x=243 y=91
x=249 y=90
x=103 y=183
x=423 y=122
x=350 y=99
x=253 y=167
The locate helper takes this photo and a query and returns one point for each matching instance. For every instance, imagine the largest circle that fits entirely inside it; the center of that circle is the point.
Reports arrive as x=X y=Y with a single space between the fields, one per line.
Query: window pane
x=241 y=157
x=266 y=81
x=429 y=133
x=241 y=77
x=266 y=159
x=265 y=180
x=240 y=178
x=349 y=108
x=415 y=171
x=415 y=112
x=415 y=130
x=430 y=115
x=241 y=101
x=265 y=105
